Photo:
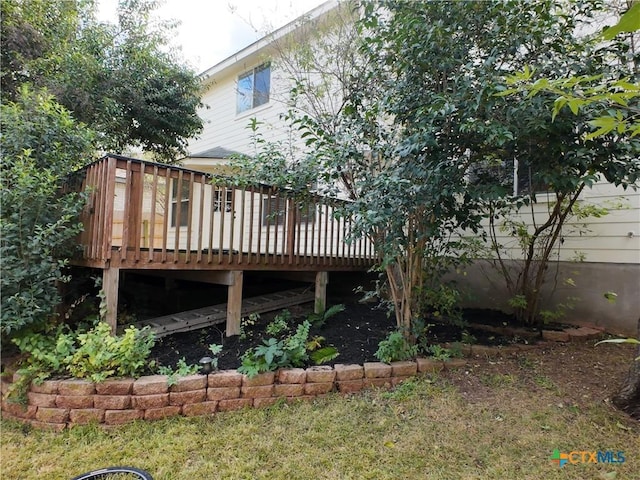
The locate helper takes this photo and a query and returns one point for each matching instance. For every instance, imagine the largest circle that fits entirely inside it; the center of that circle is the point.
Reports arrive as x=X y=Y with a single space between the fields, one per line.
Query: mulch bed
x=355 y=332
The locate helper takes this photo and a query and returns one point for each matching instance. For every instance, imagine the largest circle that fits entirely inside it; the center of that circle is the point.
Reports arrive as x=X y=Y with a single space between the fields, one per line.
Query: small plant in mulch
x=284 y=350
x=395 y=348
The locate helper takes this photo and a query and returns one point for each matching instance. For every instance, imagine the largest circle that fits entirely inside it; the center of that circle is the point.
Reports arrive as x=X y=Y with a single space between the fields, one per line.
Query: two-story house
x=248 y=85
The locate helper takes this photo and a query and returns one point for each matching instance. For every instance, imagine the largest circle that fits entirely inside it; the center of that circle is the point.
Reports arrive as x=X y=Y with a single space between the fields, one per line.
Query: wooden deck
x=147 y=216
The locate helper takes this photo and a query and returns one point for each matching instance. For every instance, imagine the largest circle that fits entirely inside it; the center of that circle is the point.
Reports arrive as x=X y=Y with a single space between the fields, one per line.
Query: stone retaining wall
x=63 y=403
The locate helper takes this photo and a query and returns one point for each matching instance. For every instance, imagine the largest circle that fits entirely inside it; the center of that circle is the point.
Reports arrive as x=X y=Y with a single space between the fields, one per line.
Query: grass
x=425 y=429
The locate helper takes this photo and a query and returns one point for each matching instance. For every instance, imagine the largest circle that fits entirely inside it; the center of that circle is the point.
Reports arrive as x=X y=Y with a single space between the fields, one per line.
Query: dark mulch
x=355 y=332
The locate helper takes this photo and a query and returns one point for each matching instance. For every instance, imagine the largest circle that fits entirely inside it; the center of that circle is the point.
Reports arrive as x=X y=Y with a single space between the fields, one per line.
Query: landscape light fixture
x=206 y=366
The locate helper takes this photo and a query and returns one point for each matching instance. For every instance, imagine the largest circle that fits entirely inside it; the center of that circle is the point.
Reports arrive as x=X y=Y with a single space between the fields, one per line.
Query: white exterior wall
x=226 y=128
x=612 y=238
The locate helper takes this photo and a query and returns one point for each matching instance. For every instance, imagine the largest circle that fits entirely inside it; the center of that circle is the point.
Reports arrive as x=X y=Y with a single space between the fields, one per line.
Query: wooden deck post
x=234 y=304
x=110 y=283
x=320 y=305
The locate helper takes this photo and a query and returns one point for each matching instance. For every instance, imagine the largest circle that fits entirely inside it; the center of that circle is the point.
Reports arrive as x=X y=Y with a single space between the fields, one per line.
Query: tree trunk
x=628 y=398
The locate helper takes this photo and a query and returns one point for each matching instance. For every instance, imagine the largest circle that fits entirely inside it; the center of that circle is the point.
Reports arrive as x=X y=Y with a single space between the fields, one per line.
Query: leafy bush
x=215 y=350
x=41 y=144
x=395 y=348
x=94 y=354
x=47 y=354
x=280 y=324
x=274 y=353
x=100 y=355
x=443 y=303
x=319 y=319
x=439 y=352
x=323 y=355
x=319 y=354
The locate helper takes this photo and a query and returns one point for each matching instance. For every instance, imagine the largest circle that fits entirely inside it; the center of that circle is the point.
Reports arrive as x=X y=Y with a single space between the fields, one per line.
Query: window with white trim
x=218 y=203
x=515 y=175
x=253 y=88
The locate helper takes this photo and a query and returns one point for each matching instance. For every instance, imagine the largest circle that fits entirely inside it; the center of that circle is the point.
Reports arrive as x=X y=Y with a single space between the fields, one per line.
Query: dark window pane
x=262 y=85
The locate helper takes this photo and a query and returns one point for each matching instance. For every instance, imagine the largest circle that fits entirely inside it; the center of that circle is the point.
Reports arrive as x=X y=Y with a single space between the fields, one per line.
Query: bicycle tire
x=104 y=473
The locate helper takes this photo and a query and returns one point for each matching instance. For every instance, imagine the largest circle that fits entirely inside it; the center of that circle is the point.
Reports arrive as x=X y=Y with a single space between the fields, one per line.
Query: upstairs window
x=253 y=88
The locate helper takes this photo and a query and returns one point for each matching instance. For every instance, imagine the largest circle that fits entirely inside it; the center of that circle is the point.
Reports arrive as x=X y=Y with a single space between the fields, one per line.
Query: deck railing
x=147 y=215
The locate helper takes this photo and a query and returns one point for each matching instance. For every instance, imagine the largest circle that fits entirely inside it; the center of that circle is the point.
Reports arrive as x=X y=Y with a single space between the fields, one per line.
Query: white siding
x=223 y=127
x=605 y=239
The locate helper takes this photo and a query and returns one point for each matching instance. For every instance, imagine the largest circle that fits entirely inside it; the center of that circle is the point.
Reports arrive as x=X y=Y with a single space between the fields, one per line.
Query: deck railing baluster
x=177 y=214
x=265 y=220
x=221 y=207
x=152 y=215
x=127 y=203
x=277 y=220
x=232 y=215
x=138 y=196
x=243 y=194
x=251 y=223
x=189 y=218
x=94 y=181
x=201 y=219
x=167 y=213
x=212 y=216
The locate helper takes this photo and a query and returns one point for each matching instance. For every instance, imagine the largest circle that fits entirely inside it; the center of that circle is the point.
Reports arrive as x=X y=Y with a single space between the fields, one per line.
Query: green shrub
x=274 y=353
x=41 y=144
x=395 y=348
x=279 y=324
x=319 y=319
x=439 y=352
x=94 y=354
x=323 y=355
x=101 y=355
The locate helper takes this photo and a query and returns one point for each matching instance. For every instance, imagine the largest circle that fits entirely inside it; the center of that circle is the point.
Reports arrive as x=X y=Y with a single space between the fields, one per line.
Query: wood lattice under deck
x=147 y=216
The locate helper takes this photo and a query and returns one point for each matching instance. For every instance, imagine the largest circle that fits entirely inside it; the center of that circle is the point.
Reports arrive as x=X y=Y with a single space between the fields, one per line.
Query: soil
x=355 y=332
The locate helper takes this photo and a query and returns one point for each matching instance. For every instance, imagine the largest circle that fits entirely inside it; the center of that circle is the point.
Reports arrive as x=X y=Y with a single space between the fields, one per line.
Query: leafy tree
x=71 y=86
x=122 y=79
x=562 y=154
x=611 y=106
x=422 y=119
x=40 y=142
x=423 y=145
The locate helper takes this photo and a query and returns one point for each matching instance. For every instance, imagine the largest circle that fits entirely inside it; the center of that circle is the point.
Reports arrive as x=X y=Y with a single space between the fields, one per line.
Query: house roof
x=265 y=41
x=215 y=152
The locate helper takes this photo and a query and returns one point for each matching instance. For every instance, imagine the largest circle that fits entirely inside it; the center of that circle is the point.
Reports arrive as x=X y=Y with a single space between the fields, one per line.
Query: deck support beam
x=320 y=304
x=110 y=284
x=234 y=303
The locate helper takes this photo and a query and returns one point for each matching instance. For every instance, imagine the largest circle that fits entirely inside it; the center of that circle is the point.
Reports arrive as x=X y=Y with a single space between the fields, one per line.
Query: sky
x=212 y=30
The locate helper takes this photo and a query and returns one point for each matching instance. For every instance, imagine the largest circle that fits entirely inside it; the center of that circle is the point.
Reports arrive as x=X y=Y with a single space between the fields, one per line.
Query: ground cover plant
x=494 y=419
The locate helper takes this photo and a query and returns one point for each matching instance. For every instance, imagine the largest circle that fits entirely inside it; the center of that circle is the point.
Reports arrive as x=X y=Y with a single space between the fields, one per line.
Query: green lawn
x=484 y=422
